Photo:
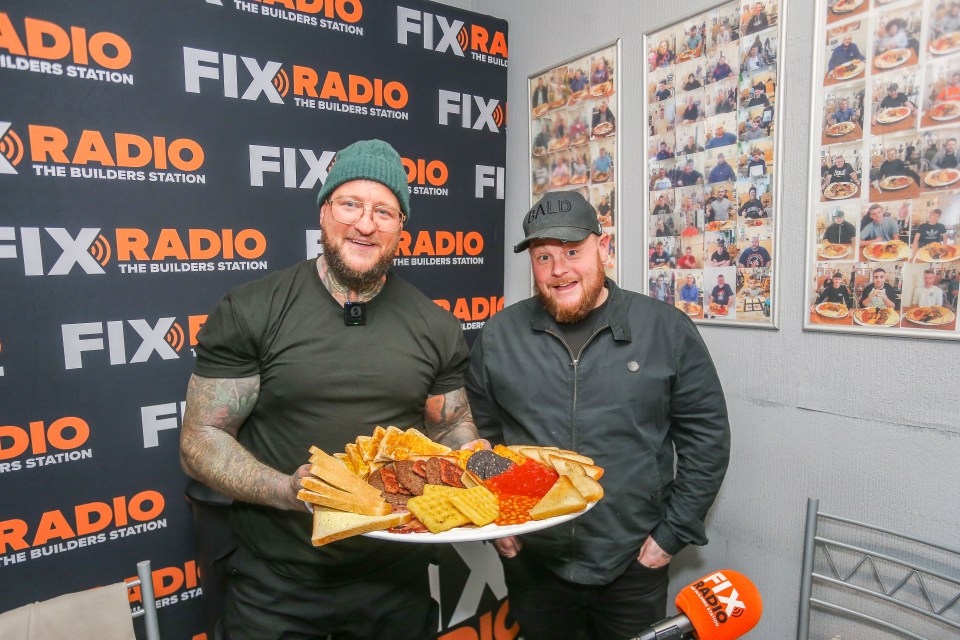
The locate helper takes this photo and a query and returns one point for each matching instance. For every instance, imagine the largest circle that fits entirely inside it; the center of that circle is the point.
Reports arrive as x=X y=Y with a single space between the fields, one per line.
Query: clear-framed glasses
x=349 y=211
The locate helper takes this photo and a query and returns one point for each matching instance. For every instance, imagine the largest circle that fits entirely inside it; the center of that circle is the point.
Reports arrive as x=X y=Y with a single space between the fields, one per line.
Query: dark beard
x=591 y=293
x=346 y=275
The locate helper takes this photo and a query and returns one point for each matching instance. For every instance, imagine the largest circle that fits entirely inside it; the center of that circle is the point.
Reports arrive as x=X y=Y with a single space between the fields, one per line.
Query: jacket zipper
x=575 y=362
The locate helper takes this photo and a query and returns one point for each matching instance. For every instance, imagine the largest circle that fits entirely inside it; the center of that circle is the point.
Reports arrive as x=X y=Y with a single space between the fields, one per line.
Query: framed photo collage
x=712 y=163
x=885 y=169
x=574 y=110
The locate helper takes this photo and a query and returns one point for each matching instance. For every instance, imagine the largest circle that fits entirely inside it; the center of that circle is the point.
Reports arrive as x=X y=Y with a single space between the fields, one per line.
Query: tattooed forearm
x=209 y=451
x=448 y=420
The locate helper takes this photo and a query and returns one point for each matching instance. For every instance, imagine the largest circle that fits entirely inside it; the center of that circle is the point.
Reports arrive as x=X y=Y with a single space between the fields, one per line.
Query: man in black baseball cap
x=585 y=365
x=561 y=215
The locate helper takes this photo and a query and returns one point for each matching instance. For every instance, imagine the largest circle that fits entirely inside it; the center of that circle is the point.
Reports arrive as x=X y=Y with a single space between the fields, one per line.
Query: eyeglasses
x=349 y=211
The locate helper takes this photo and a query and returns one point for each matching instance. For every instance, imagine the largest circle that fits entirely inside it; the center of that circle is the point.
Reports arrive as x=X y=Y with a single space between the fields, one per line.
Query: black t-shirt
x=949 y=161
x=689 y=179
x=892 y=295
x=891 y=102
x=752 y=209
x=841 y=174
x=576 y=334
x=720 y=255
x=930 y=233
x=839 y=295
x=722 y=295
x=842 y=233
x=324 y=383
x=756 y=23
x=659 y=259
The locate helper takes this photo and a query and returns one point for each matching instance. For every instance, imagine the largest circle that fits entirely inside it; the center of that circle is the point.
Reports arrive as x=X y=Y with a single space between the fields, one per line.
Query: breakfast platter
x=401 y=486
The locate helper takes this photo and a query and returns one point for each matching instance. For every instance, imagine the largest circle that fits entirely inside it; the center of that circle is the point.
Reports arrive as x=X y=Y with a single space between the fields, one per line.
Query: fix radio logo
x=81 y=525
x=720 y=596
x=334 y=15
x=72 y=50
x=43 y=443
x=437 y=33
x=123 y=342
x=90 y=154
x=472 y=112
x=57 y=251
x=308 y=168
x=472 y=312
x=246 y=78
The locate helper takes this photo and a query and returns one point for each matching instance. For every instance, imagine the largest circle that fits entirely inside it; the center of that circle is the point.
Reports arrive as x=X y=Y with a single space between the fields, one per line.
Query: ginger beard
x=345 y=274
x=575 y=311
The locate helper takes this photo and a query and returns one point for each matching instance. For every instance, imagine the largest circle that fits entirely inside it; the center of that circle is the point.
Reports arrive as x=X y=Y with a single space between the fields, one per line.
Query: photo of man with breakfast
x=896 y=39
x=832 y=299
x=846 y=54
x=842 y=116
x=894 y=100
x=720 y=301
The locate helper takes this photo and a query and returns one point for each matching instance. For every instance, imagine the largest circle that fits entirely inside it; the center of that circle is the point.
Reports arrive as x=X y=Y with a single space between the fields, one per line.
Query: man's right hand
x=508 y=547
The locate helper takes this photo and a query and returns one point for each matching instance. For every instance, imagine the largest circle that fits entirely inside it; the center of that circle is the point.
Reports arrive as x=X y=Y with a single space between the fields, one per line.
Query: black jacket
x=641 y=388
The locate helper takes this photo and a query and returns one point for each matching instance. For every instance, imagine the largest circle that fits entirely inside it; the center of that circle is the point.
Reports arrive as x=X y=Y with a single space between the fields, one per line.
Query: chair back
x=864 y=578
x=101 y=613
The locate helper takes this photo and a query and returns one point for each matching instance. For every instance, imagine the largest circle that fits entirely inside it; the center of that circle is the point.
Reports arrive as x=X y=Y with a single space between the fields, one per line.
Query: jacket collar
x=615 y=314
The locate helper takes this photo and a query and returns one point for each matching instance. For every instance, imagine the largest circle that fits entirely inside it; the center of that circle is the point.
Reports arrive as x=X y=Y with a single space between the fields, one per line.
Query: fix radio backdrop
x=153 y=157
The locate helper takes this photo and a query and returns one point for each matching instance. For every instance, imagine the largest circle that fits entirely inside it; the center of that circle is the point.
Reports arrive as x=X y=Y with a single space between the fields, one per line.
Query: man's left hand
x=652 y=556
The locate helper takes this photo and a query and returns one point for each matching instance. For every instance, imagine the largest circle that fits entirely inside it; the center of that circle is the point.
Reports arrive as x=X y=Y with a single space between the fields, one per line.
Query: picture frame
x=716 y=162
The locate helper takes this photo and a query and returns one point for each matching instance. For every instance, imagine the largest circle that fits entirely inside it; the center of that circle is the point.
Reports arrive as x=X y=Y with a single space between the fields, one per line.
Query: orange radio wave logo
x=11 y=146
x=281 y=82
x=499 y=115
x=175 y=336
x=100 y=250
x=463 y=38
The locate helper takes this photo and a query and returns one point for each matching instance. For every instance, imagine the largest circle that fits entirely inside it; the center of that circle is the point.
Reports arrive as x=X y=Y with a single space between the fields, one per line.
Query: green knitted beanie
x=372 y=160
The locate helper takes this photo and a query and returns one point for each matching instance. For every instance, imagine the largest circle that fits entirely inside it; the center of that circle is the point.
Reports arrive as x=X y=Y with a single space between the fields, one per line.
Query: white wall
x=867 y=424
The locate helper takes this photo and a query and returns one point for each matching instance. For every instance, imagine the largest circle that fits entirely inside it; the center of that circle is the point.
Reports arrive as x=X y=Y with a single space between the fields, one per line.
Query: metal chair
x=148 y=609
x=94 y=614
x=874 y=579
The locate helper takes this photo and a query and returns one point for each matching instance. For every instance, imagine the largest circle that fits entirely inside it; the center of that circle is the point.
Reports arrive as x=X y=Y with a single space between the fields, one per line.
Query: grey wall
x=861 y=422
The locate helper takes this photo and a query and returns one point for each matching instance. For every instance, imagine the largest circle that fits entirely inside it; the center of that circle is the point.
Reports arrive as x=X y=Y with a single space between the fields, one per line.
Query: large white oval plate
x=472 y=534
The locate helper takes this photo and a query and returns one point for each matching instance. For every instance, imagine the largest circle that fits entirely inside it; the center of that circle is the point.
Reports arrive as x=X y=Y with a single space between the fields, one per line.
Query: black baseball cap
x=561 y=215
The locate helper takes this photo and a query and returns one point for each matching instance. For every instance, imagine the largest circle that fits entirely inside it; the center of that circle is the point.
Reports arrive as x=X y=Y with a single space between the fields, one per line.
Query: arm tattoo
x=210 y=452
x=448 y=420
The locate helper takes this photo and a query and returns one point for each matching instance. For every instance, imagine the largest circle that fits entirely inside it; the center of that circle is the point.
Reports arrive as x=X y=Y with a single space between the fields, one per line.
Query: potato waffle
x=477 y=503
x=435 y=511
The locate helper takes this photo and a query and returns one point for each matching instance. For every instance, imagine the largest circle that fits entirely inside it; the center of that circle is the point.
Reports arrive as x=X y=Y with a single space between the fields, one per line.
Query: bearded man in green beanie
x=316 y=355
